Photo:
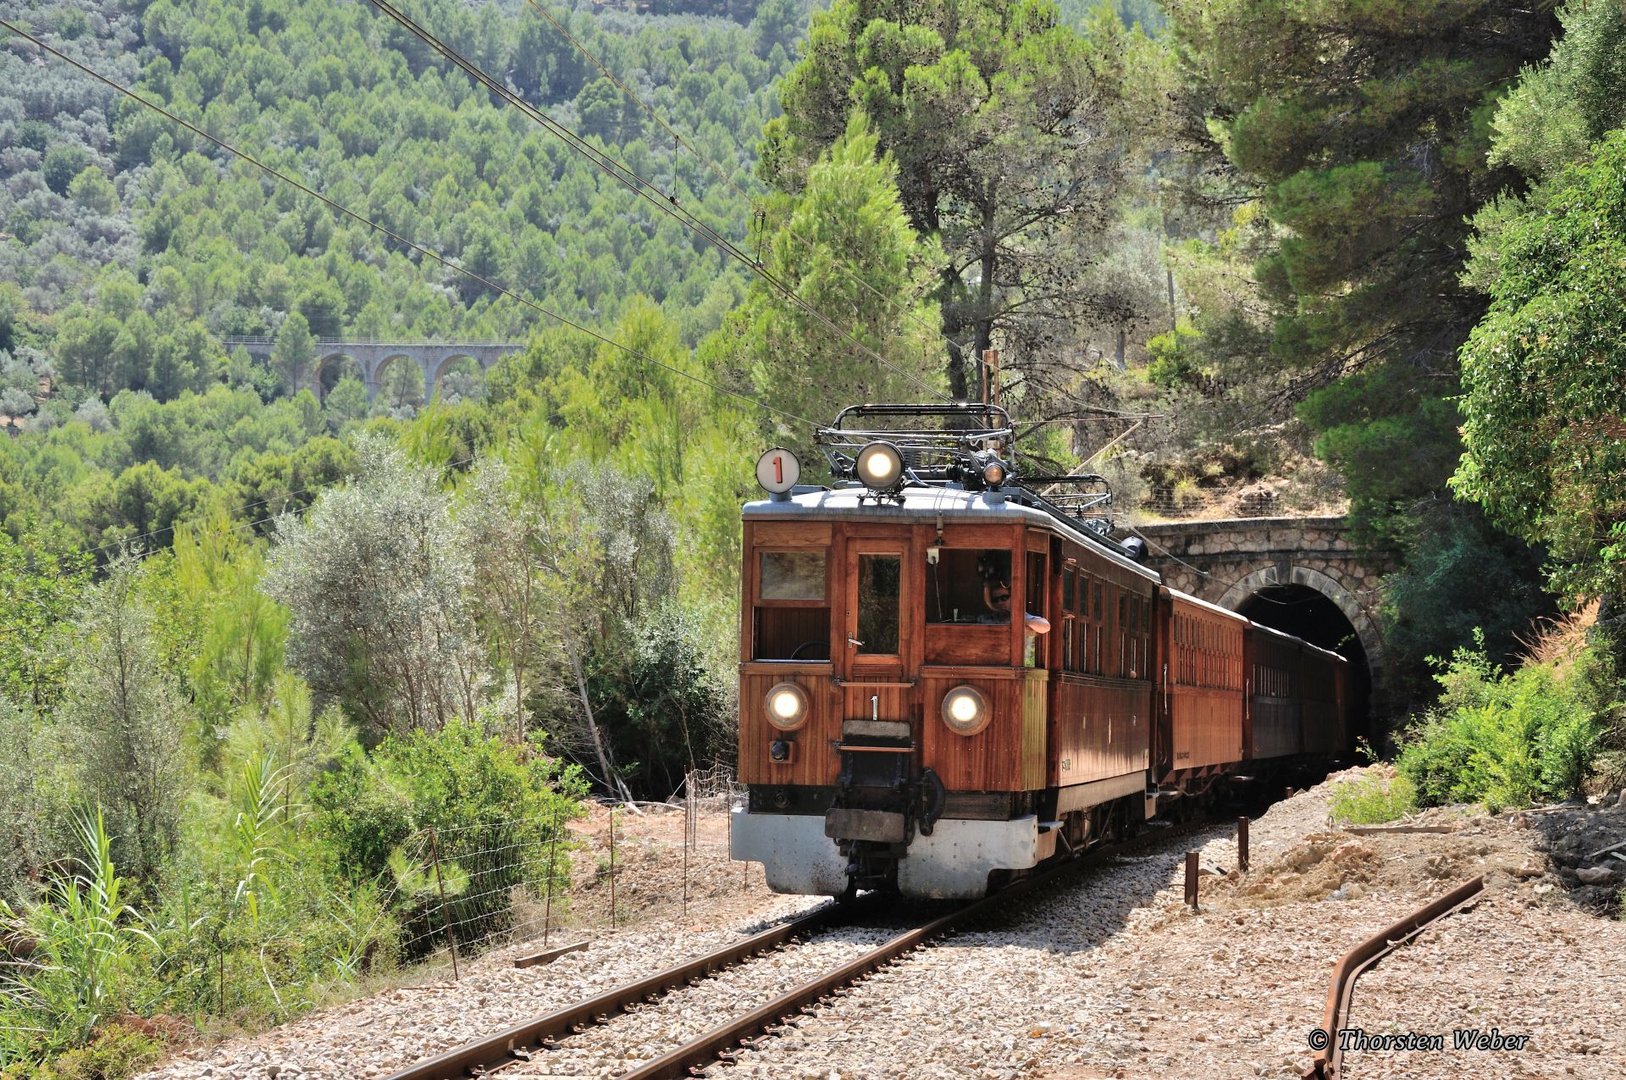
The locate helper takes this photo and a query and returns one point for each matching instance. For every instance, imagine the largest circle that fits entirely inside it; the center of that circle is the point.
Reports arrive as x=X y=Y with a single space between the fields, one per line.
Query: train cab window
x=964 y=584
x=792 y=617
x=1035 y=651
x=880 y=583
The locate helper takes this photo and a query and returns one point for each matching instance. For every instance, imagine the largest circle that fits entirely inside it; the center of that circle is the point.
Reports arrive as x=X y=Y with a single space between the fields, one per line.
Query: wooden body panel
x=967 y=646
x=1277 y=723
x=1200 y=662
x=1275 y=712
x=1007 y=755
x=1100 y=728
x=1322 y=686
x=879 y=701
x=1206 y=726
x=812 y=761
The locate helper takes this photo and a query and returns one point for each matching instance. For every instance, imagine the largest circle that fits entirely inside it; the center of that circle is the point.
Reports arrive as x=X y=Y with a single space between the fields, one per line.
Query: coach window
x=793 y=606
x=964 y=584
x=1069 y=621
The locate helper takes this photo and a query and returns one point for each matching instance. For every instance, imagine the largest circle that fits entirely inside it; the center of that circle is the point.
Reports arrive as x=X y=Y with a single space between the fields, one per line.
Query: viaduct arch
x=372 y=357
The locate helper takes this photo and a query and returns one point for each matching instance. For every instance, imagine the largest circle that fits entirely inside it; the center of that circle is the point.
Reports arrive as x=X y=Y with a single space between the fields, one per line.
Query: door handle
x=853 y=642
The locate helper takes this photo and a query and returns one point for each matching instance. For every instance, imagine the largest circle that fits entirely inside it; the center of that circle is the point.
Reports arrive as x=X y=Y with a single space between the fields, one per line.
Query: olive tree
x=375 y=578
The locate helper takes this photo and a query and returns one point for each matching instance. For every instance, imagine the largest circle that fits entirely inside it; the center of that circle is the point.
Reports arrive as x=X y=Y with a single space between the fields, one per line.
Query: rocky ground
x=1112 y=978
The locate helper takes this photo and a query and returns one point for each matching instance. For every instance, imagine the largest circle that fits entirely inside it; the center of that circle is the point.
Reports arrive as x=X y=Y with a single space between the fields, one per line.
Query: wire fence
x=463 y=892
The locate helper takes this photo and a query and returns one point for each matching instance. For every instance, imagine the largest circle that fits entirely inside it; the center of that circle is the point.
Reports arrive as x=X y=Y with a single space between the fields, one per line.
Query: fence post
x=688 y=834
x=1191 y=879
x=1242 y=844
x=612 y=868
x=553 y=853
x=445 y=915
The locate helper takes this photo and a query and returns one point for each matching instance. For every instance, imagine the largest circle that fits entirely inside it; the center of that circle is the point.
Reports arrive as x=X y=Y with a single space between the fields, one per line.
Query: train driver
x=997 y=596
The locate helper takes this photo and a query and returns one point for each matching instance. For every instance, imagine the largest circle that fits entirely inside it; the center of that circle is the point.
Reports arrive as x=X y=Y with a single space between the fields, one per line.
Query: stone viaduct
x=373 y=357
x=1300 y=574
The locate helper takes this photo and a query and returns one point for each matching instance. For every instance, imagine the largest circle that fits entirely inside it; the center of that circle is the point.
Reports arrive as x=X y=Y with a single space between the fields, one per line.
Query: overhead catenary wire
x=667 y=203
x=727 y=179
x=384 y=230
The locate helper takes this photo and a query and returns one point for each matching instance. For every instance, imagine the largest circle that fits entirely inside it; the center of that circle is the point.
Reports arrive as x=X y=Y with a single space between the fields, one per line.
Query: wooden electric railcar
x=900 y=729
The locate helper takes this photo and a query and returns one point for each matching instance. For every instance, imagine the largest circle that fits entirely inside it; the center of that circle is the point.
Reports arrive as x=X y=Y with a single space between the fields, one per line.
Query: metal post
x=612 y=869
x=445 y=916
x=1191 y=880
x=553 y=851
x=688 y=834
x=1242 y=844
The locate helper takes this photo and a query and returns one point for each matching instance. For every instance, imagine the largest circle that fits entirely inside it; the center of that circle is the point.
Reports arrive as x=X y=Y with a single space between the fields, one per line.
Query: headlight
x=880 y=466
x=787 y=706
x=993 y=473
x=965 y=710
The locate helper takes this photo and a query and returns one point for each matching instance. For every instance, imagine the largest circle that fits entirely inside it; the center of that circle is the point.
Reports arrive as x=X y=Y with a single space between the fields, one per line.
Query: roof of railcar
x=931 y=502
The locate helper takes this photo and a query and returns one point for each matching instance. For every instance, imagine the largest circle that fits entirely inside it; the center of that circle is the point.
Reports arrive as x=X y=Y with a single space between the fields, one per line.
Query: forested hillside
x=255 y=625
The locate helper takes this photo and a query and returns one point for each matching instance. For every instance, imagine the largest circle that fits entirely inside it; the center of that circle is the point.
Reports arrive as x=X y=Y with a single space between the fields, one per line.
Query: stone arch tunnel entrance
x=1305 y=613
x=1303 y=576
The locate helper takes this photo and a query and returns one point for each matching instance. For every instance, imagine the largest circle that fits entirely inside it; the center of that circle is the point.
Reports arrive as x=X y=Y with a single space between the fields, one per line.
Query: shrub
x=1373 y=799
x=1504 y=740
x=116 y=1051
x=493 y=808
x=84 y=939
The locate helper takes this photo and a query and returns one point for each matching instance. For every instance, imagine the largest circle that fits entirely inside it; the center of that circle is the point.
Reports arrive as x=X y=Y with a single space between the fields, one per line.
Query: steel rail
x=715 y=1044
x=1328 y=1063
x=512 y=1044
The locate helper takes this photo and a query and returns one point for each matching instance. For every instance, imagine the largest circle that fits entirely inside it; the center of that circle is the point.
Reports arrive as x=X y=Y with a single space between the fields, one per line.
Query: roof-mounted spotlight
x=880 y=467
x=994 y=472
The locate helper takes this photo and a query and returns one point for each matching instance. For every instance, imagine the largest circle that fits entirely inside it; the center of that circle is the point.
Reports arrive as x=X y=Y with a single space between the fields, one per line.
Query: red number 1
x=778 y=469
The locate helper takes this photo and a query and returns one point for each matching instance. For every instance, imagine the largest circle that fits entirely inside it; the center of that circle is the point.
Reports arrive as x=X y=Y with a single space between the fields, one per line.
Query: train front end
x=892 y=730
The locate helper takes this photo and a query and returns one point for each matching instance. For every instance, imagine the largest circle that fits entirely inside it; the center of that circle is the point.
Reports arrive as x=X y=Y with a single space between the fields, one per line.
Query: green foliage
x=664 y=707
x=1372 y=800
x=39 y=589
x=1560 y=108
x=116 y=1051
x=1506 y=740
x=1366 y=128
x=124 y=710
x=1174 y=359
x=848 y=248
x=492 y=806
x=1007 y=130
x=374 y=579
x=1438 y=601
x=85 y=941
x=1544 y=395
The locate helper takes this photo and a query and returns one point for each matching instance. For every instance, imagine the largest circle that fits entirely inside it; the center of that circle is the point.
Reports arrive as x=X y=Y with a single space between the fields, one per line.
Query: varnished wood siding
x=1007 y=755
x=1207 y=726
x=814 y=762
x=891 y=703
x=1201 y=666
x=1100 y=728
x=1276 y=724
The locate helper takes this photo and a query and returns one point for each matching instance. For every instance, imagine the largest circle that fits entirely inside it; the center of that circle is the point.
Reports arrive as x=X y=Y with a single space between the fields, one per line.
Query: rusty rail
x=1328 y=1061
x=516 y=1043
x=513 y=1044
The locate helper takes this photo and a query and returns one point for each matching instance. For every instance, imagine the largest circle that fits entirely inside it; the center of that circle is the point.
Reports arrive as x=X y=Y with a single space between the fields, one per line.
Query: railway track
x=653 y=1027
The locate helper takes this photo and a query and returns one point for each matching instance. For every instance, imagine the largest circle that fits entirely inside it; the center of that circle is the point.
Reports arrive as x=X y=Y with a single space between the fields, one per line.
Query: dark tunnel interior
x=1303 y=612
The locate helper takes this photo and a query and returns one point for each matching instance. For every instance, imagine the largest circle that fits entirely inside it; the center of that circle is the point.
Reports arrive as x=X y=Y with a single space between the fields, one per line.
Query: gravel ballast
x=1111 y=977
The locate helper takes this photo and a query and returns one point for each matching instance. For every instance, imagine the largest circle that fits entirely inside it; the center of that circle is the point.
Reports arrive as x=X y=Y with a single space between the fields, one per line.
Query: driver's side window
x=968 y=585
x=792 y=615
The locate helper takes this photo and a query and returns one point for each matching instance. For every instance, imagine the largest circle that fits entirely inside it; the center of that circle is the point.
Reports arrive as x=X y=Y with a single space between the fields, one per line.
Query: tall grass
x=84 y=941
